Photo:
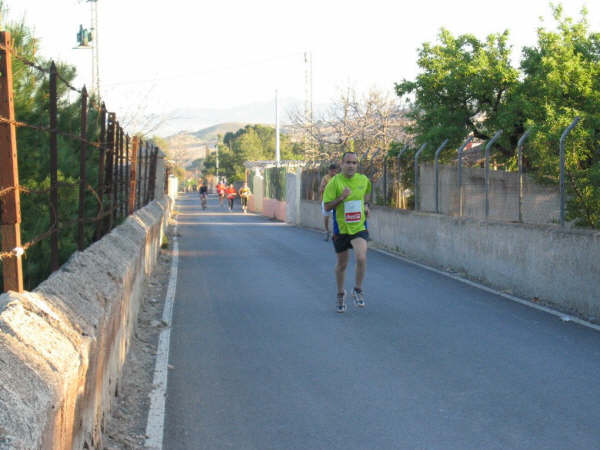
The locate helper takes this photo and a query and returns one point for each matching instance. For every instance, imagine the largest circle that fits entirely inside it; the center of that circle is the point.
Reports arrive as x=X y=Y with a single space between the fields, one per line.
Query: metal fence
x=275 y=183
x=79 y=202
x=467 y=184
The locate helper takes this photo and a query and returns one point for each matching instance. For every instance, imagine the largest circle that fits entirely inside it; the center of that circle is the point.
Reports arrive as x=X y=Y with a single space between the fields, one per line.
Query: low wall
x=255 y=202
x=292 y=196
x=63 y=345
x=274 y=209
x=540 y=204
x=558 y=266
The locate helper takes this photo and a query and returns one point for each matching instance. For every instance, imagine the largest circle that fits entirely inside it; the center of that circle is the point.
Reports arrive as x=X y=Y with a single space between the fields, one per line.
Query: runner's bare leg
x=359 y=245
x=340 y=269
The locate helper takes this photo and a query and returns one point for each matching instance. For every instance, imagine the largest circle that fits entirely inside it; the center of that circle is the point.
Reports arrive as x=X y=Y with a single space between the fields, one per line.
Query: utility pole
x=217 y=160
x=88 y=40
x=95 y=54
x=308 y=106
x=277 y=155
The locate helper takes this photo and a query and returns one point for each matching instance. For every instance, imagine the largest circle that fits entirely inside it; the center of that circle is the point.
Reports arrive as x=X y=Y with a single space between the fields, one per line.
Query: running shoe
x=341 y=302
x=359 y=298
x=326 y=238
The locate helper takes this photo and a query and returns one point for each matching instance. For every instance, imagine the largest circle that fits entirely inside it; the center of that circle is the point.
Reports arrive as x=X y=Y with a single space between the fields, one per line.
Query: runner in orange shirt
x=221 y=192
x=231 y=194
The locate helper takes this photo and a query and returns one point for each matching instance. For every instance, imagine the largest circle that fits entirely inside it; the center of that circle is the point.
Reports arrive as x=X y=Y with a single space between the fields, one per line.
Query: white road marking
x=564 y=317
x=156 y=415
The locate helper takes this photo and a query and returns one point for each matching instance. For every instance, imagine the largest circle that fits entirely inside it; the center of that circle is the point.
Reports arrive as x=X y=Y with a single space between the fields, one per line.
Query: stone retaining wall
x=63 y=345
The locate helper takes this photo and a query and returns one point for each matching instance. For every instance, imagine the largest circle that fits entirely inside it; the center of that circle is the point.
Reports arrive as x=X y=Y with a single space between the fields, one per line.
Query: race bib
x=353 y=211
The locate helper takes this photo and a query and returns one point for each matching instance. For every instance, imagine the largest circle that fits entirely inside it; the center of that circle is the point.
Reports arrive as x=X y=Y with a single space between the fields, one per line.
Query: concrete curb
x=63 y=345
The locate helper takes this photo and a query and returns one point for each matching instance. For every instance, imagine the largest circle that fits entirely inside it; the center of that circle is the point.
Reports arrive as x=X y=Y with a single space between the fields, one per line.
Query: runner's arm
x=334 y=203
x=368 y=198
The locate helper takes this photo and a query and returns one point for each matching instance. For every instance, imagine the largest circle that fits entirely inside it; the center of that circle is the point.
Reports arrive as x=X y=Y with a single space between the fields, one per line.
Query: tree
x=31 y=102
x=464 y=88
x=367 y=125
x=251 y=143
x=562 y=81
x=469 y=87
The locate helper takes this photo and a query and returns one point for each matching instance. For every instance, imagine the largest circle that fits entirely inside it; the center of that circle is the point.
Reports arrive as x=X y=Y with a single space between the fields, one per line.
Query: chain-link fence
x=275 y=185
x=459 y=182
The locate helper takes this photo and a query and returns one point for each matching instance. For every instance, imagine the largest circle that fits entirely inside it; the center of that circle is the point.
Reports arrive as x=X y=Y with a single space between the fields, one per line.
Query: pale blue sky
x=180 y=53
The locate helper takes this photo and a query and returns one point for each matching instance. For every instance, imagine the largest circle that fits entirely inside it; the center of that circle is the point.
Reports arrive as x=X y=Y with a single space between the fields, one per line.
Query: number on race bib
x=353 y=211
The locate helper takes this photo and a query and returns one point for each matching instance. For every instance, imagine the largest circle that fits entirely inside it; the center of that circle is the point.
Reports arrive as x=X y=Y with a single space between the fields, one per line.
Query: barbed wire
x=75 y=137
x=54 y=229
x=64 y=225
x=28 y=62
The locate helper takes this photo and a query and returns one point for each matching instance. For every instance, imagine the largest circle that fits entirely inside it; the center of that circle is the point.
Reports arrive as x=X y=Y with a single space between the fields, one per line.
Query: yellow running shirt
x=349 y=217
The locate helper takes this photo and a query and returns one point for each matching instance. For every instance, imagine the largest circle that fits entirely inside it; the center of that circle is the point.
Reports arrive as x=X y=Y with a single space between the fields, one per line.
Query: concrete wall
x=275 y=209
x=63 y=345
x=255 y=202
x=541 y=204
x=559 y=266
x=172 y=186
x=292 y=199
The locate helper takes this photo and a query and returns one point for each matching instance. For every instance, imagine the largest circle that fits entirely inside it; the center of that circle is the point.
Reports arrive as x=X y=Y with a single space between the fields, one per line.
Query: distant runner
x=221 y=192
x=231 y=193
x=347 y=194
x=244 y=194
x=332 y=171
x=203 y=195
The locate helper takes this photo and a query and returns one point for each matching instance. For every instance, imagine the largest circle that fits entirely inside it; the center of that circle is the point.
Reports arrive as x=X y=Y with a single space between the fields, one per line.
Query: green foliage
x=251 y=143
x=275 y=183
x=31 y=100
x=463 y=88
x=469 y=87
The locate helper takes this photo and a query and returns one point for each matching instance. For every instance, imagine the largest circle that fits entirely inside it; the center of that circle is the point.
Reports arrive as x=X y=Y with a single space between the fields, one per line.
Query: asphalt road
x=261 y=360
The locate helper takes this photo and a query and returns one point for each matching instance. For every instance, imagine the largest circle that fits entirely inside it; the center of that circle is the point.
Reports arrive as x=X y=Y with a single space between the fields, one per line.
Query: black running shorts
x=342 y=242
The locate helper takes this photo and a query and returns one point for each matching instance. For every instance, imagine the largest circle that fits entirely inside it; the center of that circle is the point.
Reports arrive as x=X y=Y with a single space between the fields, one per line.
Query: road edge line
x=563 y=316
x=156 y=414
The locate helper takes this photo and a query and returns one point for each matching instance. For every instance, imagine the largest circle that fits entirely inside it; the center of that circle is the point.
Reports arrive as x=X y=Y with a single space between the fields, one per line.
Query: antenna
x=88 y=40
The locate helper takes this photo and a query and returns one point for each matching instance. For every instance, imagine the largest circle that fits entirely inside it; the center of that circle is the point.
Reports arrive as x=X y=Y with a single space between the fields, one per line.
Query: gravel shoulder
x=125 y=428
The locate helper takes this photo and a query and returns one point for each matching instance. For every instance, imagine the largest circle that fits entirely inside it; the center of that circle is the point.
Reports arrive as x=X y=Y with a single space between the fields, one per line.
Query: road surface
x=261 y=360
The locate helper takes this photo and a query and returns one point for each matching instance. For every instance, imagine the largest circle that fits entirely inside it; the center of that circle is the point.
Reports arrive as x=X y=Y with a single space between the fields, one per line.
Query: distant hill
x=210 y=134
x=185 y=147
x=189 y=119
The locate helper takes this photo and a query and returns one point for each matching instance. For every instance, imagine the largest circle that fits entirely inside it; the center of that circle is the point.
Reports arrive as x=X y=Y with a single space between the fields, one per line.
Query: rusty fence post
x=53 y=168
x=133 y=178
x=115 y=178
x=145 y=197
x=121 y=173
x=82 y=171
x=153 y=164
x=108 y=178
x=101 y=164
x=138 y=192
x=127 y=176
x=122 y=200
x=10 y=203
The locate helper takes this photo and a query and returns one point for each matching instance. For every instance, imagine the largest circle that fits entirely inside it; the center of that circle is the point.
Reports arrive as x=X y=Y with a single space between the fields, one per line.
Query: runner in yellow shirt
x=347 y=194
x=244 y=194
x=331 y=172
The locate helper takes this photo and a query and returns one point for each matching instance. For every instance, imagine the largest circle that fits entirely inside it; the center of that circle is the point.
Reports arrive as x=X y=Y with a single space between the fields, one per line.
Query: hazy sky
x=222 y=53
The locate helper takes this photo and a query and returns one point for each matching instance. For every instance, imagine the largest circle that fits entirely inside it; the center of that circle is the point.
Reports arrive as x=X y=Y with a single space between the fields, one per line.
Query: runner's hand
x=346 y=192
